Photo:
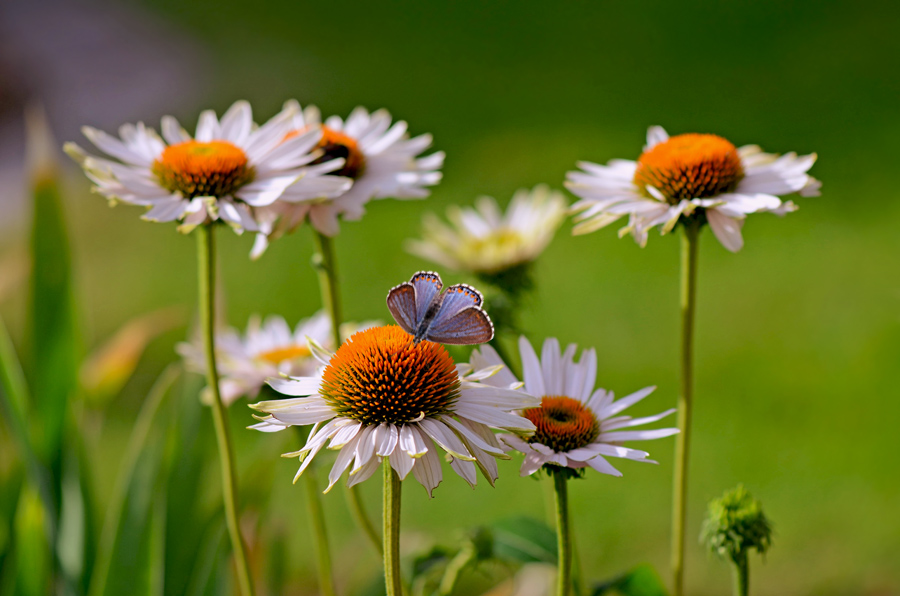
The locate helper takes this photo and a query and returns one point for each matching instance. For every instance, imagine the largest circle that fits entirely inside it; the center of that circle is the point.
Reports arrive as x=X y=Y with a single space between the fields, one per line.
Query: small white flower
x=383 y=396
x=576 y=425
x=689 y=175
x=485 y=240
x=378 y=156
x=267 y=349
x=228 y=170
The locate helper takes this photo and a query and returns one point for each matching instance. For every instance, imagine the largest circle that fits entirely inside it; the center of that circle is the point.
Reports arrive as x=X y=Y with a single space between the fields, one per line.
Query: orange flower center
x=198 y=169
x=335 y=145
x=285 y=353
x=563 y=423
x=379 y=375
x=690 y=166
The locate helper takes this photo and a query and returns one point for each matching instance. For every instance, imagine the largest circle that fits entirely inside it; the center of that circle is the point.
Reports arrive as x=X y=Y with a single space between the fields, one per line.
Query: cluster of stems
x=325 y=264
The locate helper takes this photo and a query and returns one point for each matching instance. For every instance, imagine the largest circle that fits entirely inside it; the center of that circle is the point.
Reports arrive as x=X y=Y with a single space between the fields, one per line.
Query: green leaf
x=32 y=552
x=14 y=400
x=640 y=581
x=127 y=528
x=55 y=369
x=524 y=540
x=130 y=568
x=191 y=447
x=11 y=482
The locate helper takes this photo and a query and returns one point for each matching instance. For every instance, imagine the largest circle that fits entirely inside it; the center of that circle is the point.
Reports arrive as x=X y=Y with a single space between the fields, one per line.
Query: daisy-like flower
x=383 y=396
x=487 y=241
x=689 y=176
x=577 y=426
x=267 y=349
x=227 y=170
x=378 y=156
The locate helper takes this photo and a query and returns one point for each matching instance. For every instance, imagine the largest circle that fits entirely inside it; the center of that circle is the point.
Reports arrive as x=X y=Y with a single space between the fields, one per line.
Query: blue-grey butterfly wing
x=401 y=301
x=428 y=285
x=460 y=320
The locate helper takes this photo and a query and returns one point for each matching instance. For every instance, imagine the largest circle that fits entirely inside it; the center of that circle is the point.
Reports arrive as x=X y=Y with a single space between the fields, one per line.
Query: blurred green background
x=798 y=335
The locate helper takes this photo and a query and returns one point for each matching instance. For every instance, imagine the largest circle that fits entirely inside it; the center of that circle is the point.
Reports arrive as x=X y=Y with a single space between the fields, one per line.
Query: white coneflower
x=485 y=240
x=378 y=156
x=576 y=426
x=689 y=176
x=266 y=349
x=227 y=170
x=381 y=396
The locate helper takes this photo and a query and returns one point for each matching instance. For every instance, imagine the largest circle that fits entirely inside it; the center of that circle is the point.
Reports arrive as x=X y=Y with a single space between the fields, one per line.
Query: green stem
x=689 y=244
x=206 y=251
x=563 y=535
x=391 y=512
x=136 y=445
x=325 y=264
x=742 y=577
x=317 y=519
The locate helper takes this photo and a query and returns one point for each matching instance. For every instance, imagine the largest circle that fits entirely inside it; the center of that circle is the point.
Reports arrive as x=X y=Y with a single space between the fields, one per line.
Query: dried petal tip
x=735 y=524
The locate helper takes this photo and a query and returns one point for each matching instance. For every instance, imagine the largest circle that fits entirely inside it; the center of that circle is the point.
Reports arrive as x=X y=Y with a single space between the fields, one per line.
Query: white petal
x=296 y=385
x=427 y=469
x=655 y=136
x=531 y=369
x=603 y=466
x=345 y=456
x=402 y=463
x=636 y=435
x=726 y=229
x=386 y=437
x=445 y=437
x=466 y=470
x=412 y=441
x=625 y=402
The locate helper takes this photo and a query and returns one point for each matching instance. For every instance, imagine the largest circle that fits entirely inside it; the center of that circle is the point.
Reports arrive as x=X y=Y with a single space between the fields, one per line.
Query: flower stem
x=325 y=265
x=689 y=244
x=317 y=519
x=391 y=530
x=742 y=577
x=563 y=535
x=206 y=251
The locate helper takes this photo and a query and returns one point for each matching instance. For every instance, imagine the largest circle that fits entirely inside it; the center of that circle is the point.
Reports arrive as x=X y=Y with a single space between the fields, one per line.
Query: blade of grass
x=52 y=314
x=13 y=402
x=33 y=555
x=115 y=518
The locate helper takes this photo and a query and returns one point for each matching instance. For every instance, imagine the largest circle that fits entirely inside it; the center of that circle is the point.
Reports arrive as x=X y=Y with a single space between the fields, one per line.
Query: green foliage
x=641 y=581
x=32 y=550
x=524 y=540
x=736 y=524
x=54 y=375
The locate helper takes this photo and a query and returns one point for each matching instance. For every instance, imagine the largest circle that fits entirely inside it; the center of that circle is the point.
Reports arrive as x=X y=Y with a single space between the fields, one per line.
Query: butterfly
x=453 y=317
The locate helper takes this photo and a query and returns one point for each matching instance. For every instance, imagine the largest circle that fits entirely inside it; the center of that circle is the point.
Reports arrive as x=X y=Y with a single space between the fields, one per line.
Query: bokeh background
x=798 y=335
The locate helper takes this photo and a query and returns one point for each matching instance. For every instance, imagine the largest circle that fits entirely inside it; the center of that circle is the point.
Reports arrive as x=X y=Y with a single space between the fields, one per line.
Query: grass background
x=798 y=335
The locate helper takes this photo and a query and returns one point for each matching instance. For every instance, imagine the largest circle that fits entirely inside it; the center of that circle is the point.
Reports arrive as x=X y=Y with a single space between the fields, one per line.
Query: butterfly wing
x=401 y=301
x=460 y=320
x=428 y=285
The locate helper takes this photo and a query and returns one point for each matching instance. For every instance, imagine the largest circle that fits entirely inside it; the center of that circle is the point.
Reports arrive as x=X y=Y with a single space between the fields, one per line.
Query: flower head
x=383 y=396
x=486 y=241
x=266 y=349
x=378 y=156
x=576 y=425
x=228 y=170
x=687 y=176
x=735 y=524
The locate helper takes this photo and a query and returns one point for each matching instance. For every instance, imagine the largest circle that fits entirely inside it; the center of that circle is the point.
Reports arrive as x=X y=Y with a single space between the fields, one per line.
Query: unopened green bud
x=735 y=524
